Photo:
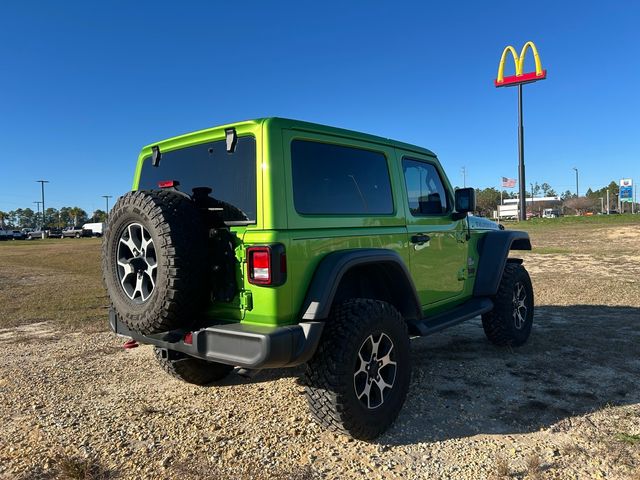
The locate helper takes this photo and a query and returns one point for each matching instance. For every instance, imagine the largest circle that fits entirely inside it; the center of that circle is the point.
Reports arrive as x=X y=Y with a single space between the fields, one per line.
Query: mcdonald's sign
x=520 y=77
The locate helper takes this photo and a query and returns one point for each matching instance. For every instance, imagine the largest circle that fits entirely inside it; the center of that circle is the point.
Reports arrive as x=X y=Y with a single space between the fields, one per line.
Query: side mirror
x=465 y=201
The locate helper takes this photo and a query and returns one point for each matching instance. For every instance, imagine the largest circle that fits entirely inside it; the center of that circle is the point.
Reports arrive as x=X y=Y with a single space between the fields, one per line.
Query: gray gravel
x=566 y=405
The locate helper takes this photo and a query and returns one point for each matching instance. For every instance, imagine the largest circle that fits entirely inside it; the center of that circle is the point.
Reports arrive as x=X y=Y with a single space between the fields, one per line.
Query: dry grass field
x=566 y=405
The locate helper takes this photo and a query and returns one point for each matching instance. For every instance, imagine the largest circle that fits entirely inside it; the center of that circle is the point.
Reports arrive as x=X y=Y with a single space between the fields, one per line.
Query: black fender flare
x=494 y=250
x=332 y=268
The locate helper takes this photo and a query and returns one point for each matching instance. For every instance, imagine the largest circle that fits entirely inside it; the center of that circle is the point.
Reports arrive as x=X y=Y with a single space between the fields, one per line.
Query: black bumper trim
x=238 y=344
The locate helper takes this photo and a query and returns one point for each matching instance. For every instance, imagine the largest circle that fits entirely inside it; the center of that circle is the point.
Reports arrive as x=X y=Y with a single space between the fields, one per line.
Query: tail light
x=267 y=265
x=168 y=183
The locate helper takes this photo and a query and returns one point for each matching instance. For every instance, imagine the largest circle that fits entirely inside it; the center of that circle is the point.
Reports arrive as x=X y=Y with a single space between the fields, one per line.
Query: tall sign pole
x=519 y=79
x=523 y=184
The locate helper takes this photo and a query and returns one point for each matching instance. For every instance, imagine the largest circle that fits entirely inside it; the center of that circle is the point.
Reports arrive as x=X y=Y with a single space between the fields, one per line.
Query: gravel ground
x=566 y=405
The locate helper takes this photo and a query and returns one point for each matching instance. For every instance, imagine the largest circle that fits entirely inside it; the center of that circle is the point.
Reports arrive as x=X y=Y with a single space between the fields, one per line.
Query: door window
x=425 y=191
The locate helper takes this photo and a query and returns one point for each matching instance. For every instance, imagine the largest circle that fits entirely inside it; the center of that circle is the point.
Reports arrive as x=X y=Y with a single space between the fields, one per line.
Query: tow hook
x=130 y=344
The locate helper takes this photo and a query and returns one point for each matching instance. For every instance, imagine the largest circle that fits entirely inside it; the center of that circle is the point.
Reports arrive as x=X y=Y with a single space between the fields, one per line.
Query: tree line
x=488 y=199
x=53 y=217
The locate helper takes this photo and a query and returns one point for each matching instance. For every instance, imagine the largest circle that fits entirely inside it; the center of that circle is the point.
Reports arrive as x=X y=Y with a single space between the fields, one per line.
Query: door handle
x=420 y=238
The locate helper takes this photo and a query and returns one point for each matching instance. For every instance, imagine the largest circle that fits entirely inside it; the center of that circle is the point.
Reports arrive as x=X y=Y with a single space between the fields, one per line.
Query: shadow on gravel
x=260 y=376
x=579 y=358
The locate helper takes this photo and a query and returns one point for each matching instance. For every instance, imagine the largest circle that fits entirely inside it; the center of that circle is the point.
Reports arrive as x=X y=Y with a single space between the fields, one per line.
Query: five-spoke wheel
x=375 y=370
x=137 y=262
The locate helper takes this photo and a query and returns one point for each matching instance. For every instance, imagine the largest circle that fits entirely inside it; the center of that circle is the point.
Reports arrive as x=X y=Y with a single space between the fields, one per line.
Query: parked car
x=4 y=235
x=48 y=233
x=17 y=235
x=54 y=233
x=96 y=228
x=76 y=232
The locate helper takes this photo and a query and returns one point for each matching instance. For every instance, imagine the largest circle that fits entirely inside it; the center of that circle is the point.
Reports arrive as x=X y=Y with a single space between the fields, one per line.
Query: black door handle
x=420 y=239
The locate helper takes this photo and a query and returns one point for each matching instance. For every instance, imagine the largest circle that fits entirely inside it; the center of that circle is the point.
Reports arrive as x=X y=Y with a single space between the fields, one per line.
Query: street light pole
x=577 y=190
x=107 y=197
x=42 y=182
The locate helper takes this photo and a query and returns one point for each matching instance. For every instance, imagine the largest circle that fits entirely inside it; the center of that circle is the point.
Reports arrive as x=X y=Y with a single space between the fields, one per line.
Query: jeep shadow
x=579 y=359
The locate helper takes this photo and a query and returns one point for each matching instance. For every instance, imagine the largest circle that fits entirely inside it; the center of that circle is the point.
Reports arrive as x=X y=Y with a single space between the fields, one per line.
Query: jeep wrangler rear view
x=274 y=243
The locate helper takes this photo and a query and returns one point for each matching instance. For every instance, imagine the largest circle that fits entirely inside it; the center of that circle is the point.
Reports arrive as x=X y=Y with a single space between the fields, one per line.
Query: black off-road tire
x=501 y=325
x=329 y=377
x=182 y=284
x=192 y=370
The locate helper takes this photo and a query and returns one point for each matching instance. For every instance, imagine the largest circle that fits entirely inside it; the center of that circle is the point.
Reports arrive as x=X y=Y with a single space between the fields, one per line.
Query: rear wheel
x=358 y=379
x=510 y=321
x=189 y=369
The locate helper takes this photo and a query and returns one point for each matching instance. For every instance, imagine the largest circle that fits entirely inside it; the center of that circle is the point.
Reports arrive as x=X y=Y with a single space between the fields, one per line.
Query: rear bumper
x=248 y=346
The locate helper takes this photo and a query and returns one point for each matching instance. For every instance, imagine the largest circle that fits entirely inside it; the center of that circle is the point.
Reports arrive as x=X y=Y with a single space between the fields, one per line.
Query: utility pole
x=38 y=207
x=608 y=208
x=464 y=177
x=107 y=197
x=42 y=182
x=577 y=190
x=602 y=205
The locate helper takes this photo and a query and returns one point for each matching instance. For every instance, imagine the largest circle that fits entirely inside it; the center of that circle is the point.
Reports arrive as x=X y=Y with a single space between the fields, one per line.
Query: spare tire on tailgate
x=155 y=260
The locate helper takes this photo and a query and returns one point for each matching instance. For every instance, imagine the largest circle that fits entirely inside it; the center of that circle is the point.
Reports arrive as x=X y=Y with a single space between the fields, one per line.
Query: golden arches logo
x=520 y=76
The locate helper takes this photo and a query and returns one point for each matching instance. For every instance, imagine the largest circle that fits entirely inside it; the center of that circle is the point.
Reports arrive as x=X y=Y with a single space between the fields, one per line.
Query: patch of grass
x=53 y=280
x=534 y=466
x=571 y=221
x=627 y=438
x=74 y=468
x=501 y=469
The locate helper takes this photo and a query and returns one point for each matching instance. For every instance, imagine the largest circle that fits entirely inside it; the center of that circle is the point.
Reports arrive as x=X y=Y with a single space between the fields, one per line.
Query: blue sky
x=83 y=85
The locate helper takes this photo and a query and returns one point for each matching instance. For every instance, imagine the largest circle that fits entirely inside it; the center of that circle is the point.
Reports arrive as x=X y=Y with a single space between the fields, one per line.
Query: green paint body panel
x=442 y=271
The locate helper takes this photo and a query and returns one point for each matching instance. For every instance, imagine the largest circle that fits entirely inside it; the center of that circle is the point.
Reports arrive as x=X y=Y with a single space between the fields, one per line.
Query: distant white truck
x=551 y=213
x=96 y=228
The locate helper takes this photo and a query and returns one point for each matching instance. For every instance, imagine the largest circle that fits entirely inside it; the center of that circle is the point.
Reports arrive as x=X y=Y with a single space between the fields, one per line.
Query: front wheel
x=358 y=379
x=510 y=321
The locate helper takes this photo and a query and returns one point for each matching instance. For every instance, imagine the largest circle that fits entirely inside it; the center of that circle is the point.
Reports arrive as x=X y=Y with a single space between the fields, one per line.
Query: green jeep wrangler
x=272 y=243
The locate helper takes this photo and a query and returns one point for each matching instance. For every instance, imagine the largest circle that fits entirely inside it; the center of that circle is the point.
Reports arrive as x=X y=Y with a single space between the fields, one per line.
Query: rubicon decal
x=520 y=77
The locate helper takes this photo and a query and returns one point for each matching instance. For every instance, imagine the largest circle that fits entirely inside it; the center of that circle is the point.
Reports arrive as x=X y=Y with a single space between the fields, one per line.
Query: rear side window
x=231 y=176
x=425 y=191
x=337 y=180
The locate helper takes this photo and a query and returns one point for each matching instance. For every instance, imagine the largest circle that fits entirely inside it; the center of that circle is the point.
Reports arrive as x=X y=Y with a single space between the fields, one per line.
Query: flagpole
x=500 y=201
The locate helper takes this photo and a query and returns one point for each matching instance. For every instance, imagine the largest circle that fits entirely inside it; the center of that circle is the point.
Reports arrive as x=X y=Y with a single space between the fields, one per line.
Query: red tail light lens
x=168 y=183
x=267 y=265
x=259 y=265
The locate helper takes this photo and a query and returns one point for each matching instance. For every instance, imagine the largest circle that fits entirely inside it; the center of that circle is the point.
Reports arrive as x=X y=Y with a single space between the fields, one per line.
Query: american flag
x=508 y=182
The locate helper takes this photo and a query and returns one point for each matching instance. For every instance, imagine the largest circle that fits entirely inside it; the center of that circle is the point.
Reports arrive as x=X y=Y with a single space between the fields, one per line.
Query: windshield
x=231 y=176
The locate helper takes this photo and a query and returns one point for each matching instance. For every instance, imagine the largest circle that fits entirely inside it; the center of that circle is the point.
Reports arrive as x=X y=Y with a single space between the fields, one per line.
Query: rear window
x=231 y=176
x=333 y=179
